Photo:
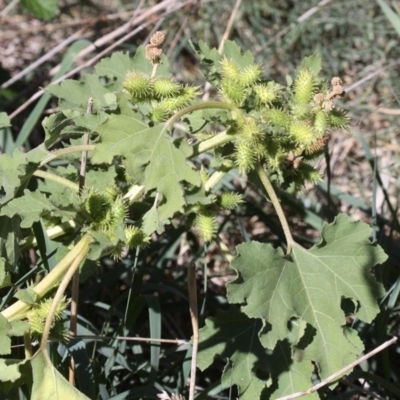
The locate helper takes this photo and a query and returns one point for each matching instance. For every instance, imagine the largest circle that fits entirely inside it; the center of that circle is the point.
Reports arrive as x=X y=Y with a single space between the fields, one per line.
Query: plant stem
x=195 y=326
x=19 y=308
x=217 y=140
x=62 y=181
x=28 y=345
x=68 y=150
x=238 y=115
x=277 y=205
x=72 y=268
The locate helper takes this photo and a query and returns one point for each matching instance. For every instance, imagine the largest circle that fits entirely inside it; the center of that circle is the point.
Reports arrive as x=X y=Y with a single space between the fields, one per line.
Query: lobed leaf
x=310 y=287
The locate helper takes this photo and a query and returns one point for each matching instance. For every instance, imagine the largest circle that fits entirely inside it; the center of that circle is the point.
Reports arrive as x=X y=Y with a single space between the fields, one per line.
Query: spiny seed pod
x=138 y=85
x=302 y=111
x=206 y=226
x=321 y=123
x=97 y=206
x=135 y=237
x=229 y=201
x=112 y=192
x=245 y=158
x=37 y=315
x=116 y=214
x=266 y=93
x=203 y=174
x=304 y=86
x=159 y=114
x=276 y=160
x=310 y=174
x=250 y=75
x=277 y=117
x=118 y=251
x=233 y=92
x=250 y=131
x=229 y=70
x=187 y=94
x=302 y=133
x=316 y=148
x=164 y=87
x=338 y=119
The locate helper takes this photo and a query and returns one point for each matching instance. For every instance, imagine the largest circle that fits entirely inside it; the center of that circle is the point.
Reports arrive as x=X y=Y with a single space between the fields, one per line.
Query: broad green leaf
x=9 y=371
x=49 y=384
x=232 y=335
x=5 y=277
x=44 y=9
x=4 y=120
x=152 y=222
x=115 y=66
x=74 y=94
x=15 y=373
x=289 y=375
x=209 y=56
x=18 y=327
x=310 y=286
x=28 y=296
x=5 y=341
x=233 y=52
x=12 y=169
x=30 y=207
x=151 y=159
x=17 y=169
x=10 y=236
x=120 y=63
x=313 y=63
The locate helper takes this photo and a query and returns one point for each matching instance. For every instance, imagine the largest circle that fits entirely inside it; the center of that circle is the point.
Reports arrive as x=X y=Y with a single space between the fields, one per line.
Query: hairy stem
x=277 y=205
x=238 y=115
x=217 y=140
x=62 y=181
x=59 y=294
x=19 y=308
x=67 y=150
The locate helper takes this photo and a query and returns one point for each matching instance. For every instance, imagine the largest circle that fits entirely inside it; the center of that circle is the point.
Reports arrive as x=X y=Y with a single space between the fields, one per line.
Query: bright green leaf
x=4 y=120
x=151 y=159
x=310 y=286
x=28 y=296
x=76 y=94
x=313 y=63
x=44 y=9
x=10 y=236
x=5 y=278
x=5 y=341
x=18 y=327
x=233 y=52
x=9 y=371
x=49 y=384
x=232 y=335
x=29 y=207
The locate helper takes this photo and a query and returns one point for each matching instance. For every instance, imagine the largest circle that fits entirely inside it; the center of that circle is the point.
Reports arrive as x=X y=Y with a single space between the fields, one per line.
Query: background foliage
x=357 y=41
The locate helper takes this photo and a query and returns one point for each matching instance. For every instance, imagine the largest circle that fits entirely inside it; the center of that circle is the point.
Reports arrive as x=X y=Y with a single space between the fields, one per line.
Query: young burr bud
x=153 y=53
x=158 y=38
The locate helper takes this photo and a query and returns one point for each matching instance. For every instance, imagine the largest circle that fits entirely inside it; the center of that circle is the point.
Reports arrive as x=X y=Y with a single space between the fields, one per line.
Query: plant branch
x=277 y=205
x=52 y=177
x=57 y=298
x=204 y=106
x=217 y=140
x=341 y=372
x=195 y=326
x=19 y=308
x=68 y=150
